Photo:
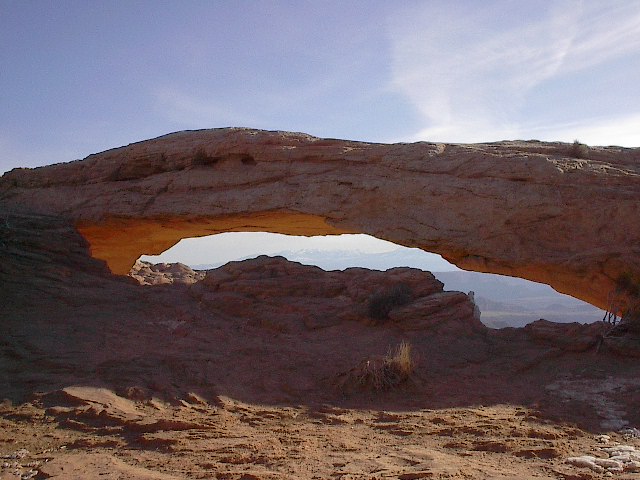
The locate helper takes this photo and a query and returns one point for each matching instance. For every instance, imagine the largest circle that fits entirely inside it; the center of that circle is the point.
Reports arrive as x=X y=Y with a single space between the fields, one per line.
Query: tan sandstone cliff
x=527 y=209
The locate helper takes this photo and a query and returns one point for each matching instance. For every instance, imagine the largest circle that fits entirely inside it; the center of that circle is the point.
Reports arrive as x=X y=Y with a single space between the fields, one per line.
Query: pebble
x=18 y=468
x=23 y=452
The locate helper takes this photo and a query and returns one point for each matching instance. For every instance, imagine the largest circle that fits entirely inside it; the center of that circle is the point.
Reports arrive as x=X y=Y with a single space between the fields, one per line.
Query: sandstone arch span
x=526 y=209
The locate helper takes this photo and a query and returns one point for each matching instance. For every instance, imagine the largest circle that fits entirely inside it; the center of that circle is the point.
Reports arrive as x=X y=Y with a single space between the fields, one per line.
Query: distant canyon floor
x=266 y=369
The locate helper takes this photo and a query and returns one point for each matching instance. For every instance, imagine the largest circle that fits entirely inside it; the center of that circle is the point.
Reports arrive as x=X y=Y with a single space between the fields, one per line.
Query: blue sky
x=83 y=76
x=79 y=77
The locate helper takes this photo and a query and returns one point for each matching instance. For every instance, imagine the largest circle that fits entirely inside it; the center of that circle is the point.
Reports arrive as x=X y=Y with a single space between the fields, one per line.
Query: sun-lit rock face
x=527 y=209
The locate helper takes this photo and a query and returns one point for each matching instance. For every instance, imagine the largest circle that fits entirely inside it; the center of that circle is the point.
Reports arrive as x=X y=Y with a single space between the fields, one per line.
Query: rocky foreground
x=268 y=369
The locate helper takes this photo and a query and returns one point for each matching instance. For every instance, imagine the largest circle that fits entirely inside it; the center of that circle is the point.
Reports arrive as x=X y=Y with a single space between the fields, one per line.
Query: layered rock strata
x=526 y=209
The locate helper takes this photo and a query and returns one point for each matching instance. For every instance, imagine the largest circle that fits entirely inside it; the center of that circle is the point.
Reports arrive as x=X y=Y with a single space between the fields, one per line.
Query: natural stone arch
x=525 y=209
x=154 y=236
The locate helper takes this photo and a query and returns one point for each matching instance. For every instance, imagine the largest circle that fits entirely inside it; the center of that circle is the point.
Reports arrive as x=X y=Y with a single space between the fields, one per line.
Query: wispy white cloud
x=469 y=71
x=606 y=30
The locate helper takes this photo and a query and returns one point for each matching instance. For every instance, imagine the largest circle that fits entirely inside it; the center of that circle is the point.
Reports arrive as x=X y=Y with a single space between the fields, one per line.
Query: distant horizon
x=233 y=246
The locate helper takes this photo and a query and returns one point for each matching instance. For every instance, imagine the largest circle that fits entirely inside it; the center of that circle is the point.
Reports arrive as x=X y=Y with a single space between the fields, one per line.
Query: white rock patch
x=622 y=458
x=629 y=433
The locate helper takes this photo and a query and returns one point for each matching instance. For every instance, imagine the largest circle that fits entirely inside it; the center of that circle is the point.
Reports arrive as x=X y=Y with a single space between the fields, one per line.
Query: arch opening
x=121 y=240
x=503 y=301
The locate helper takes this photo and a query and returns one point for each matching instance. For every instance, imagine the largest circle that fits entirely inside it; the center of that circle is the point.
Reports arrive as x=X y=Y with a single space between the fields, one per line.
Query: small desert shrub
x=5 y=229
x=628 y=286
x=248 y=160
x=382 y=373
x=273 y=325
x=578 y=150
x=381 y=303
x=200 y=157
x=624 y=302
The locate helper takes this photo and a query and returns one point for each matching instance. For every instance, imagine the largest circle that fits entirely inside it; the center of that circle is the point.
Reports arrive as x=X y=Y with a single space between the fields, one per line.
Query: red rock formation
x=526 y=209
x=66 y=320
x=164 y=273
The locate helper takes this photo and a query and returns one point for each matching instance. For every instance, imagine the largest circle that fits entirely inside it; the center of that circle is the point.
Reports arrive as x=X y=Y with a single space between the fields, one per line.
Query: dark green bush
x=381 y=303
x=200 y=157
x=629 y=284
x=624 y=302
x=578 y=150
x=628 y=287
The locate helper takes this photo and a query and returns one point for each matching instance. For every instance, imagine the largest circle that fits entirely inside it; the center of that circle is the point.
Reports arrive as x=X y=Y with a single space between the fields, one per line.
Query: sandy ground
x=109 y=437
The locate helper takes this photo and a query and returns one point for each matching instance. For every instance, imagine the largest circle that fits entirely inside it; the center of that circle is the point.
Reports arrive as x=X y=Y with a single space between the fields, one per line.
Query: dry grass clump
x=402 y=359
x=383 y=372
